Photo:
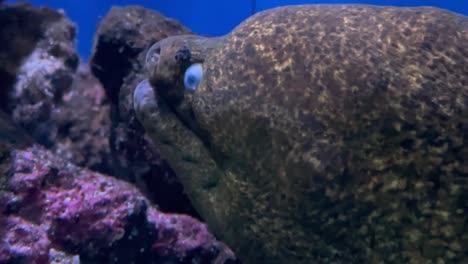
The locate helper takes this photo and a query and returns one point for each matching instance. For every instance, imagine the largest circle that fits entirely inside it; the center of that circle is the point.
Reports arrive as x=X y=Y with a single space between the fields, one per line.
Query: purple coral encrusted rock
x=96 y=216
x=22 y=241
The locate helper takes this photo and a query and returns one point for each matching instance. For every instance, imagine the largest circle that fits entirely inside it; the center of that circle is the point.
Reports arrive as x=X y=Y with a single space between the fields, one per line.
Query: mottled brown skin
x=329 y=134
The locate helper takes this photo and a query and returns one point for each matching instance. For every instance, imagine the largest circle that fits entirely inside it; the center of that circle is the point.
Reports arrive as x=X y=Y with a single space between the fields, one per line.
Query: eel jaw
x=179 y=144
x=187 y=155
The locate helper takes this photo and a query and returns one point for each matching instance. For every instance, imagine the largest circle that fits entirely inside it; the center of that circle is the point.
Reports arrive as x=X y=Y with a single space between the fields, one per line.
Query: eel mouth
x=177 y=138
x=187 y=154
x=183 y=111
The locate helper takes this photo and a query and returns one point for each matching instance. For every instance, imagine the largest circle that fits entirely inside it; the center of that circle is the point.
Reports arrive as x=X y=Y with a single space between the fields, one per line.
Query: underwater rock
x=22 y=241
x=25 y=242
x=47 y=201
x=83 y=122
x=120 y=44
x=322 y=133
x=41 y=92
x=44 y=69
x=58 y=257
x=23 y=27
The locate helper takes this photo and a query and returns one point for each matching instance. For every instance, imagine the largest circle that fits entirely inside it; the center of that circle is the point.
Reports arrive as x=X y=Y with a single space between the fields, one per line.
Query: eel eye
x=193 y=76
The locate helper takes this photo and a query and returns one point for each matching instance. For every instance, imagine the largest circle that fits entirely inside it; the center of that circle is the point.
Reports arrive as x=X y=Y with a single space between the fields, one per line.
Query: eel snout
x=145 y=104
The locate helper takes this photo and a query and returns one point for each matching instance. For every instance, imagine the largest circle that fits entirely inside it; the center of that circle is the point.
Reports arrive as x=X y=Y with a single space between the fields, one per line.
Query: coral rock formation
x=48 y=204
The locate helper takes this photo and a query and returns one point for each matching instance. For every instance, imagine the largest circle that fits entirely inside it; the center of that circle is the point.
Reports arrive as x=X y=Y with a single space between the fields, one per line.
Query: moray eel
x=321 y=133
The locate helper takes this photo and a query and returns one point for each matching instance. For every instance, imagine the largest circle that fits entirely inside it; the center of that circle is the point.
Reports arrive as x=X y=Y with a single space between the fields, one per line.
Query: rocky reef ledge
x=78 y=181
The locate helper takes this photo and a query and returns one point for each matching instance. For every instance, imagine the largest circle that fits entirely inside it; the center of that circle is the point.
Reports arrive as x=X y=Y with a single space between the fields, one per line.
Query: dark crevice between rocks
x=6 y=81
x=117 y=62
x=111 y=64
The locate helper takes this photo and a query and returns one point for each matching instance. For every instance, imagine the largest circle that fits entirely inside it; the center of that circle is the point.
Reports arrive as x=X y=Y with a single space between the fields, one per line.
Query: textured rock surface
x=120 y=45
x=47 y=202
x=25 y=242
x=327 y=134
x=23 y=26
x=22 y=241
x=45 y=74
x=83 y=122
x=41 y=91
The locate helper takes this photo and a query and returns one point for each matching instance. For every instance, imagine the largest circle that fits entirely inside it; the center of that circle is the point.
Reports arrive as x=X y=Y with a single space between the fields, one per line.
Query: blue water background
x=207 y=17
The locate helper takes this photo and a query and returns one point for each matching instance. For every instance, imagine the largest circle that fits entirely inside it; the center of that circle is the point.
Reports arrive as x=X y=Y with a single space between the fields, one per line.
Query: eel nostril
x=183 y=55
